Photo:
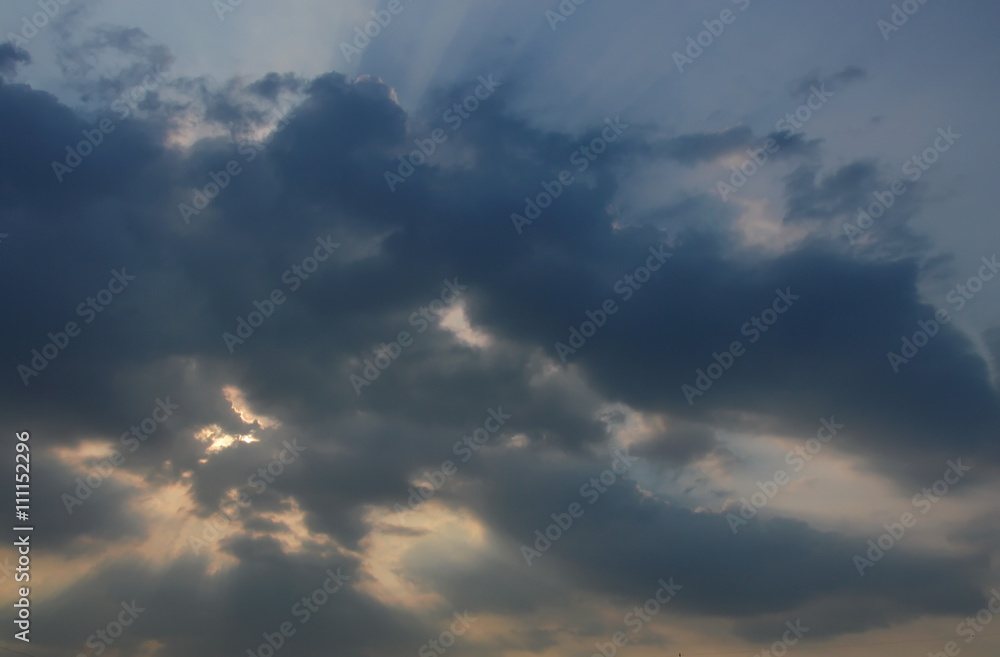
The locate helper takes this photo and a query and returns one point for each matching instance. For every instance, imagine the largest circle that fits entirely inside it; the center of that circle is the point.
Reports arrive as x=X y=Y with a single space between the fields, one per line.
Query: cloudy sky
x=502 y=328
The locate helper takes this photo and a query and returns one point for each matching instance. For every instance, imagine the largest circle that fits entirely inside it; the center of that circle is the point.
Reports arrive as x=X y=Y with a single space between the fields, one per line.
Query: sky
x=492 y=328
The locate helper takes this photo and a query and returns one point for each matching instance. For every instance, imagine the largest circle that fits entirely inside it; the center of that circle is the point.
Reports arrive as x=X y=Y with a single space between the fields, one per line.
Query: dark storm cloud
x=204 y=614
x=839 y=197
x=708 y=208
x=992 y=340
x=496 y=584
x=693 y=149
x=558 y=292
x=535 y=640
x=682 y=444
x=794 y=145
x=271 y=85
x=105 y=61
x=802 y=88
x=11 y=56
x=697 y=148
x=626 y=540
x=90 y=518
x=322 y=175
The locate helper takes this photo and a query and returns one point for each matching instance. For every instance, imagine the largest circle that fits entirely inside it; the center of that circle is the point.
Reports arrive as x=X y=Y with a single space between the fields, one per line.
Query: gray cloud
x=321 y=174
